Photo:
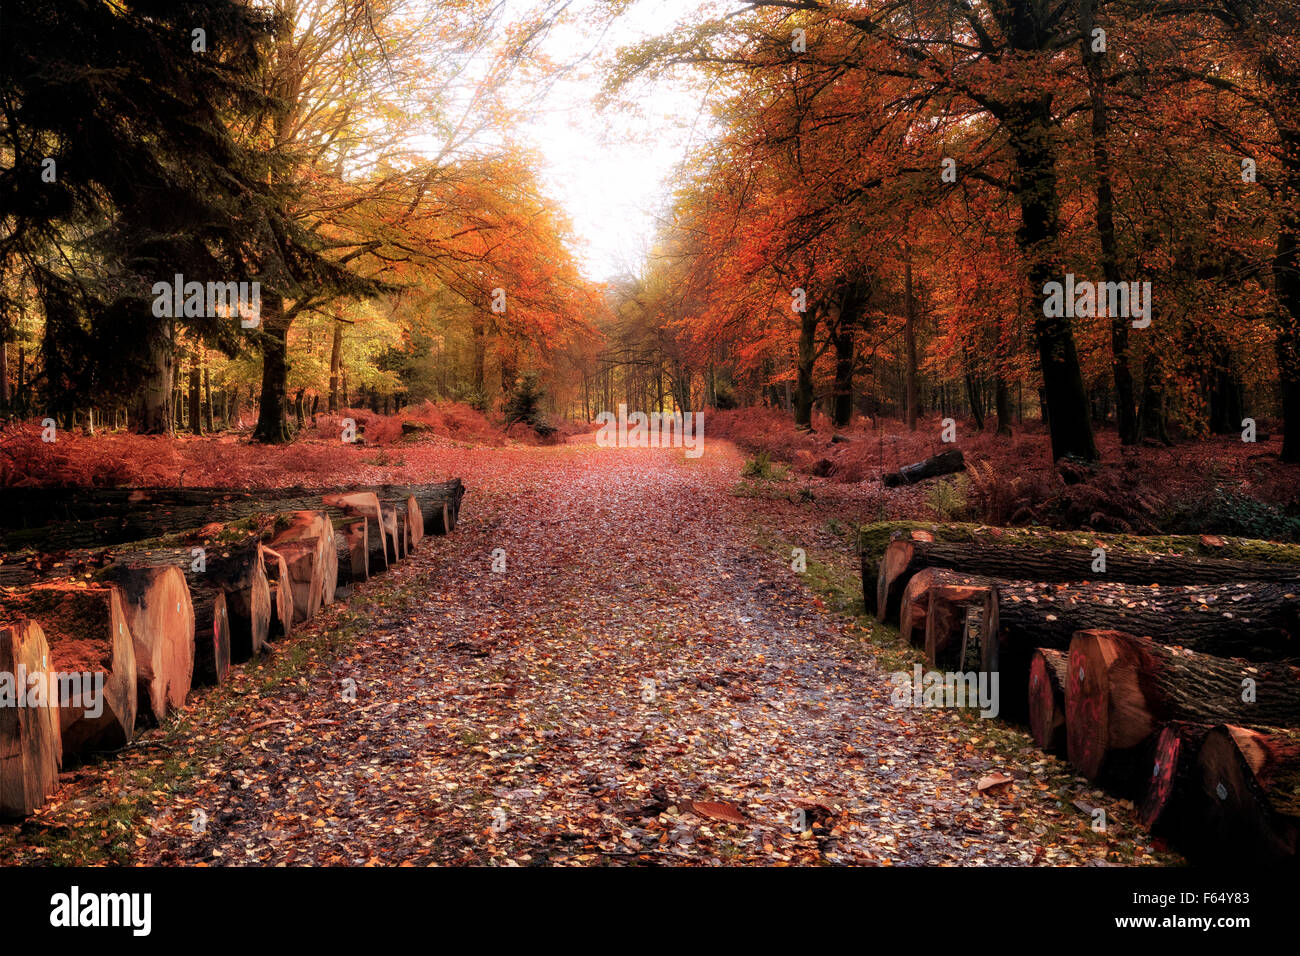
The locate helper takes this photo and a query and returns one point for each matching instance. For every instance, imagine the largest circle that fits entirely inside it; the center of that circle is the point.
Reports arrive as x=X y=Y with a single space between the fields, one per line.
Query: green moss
x=873 y=538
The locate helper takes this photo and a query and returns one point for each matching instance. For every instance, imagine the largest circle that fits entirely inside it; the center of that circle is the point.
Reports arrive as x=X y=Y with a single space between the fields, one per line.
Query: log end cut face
x=31 y=741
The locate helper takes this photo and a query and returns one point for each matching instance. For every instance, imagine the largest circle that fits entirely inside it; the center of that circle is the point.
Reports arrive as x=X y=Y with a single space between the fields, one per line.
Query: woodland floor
x=500 y=716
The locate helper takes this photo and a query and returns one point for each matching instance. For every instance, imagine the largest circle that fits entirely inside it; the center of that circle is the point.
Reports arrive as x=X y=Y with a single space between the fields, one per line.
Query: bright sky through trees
x=612 y=170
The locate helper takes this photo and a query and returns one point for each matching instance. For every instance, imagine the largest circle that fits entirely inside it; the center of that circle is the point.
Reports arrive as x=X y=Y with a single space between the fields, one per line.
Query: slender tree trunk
x=803 y=404
x=842 y=403
x=1002 y=404
x=207 y=399
x=973 y=395
x=1029 y=125
x=196 y=395
x=336 y=356
x=5 y=396
x=909 y=339
x=1286 y=283
x=1153 y=401
x=1125 y=406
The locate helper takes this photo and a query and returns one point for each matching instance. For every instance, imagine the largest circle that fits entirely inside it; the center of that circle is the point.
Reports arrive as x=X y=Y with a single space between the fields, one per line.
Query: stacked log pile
x=119 y=601
x=1163 y=669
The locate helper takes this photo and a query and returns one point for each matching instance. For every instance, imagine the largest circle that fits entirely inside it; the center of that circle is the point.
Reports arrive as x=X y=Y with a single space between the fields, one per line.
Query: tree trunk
x=1125 y=406
x=366 y=505
x=280 y=591
x=803 y=404
x=207 y=400
x=1286 y=284
x=842 y=403
x=1153 y=400
x=1243 y=798
x=272 y=424
x=1028 y=123
x=307 y=546
x=1255 y=621
x=336 y=358
x=914 y=607
x=1002 y=404
x=945 y=620
x=909 y=337
x=154 y=411
x=196 y=396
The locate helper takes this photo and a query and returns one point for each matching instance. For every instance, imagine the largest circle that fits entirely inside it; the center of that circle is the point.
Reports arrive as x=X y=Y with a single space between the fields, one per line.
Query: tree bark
x=336 y=358
x=1120 y=688
x=909 y=337
x=1029 y=125
x=195 y=396
x=272 y=421
x=904 y=557
x=1125 y=406
x=803 y=404
x=944 y=463
x=154 y=413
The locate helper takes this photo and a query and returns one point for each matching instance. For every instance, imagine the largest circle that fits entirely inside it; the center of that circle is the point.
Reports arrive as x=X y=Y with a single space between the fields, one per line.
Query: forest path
x=639 y=651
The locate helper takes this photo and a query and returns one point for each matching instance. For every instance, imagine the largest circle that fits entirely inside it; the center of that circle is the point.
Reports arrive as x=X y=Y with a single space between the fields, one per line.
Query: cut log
x=355 y=537
x=402 y=538
x=410 y=507
x=31 y=744
x=945 y=620
x=1120 y=688
x=876 y=536
x=280 y=592
x=439 y=502
x=307 y=546
x=870 y=575
x=389 y=515
x=1047 y=677
x=1243 y=805
x=365 y=504
x=93 y=656
x=906 y=556
x=915 y=604
x=241 y=574
x=211 y=634
x=219 y=558
x=160 y=616
x=944 y=463
x=57 y=519
x=1251 y=619
x=350 y=555
x=1164 y=806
